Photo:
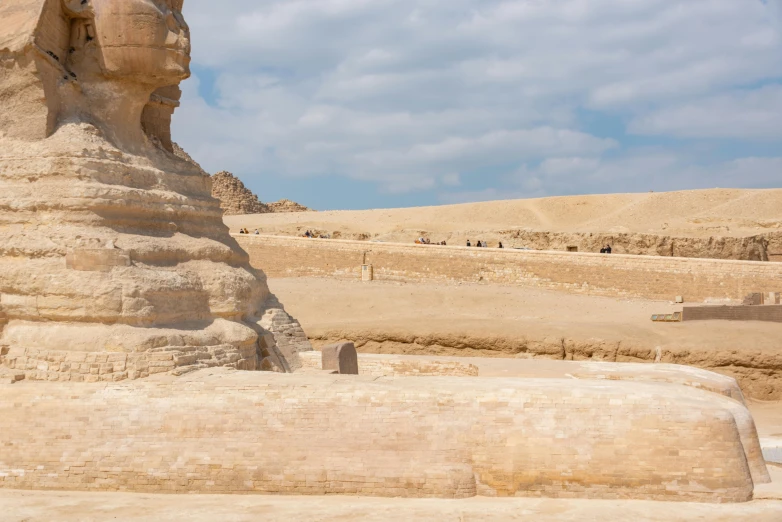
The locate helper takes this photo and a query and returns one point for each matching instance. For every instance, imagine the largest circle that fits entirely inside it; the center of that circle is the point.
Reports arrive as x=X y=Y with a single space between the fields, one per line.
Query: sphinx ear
x=81 y=15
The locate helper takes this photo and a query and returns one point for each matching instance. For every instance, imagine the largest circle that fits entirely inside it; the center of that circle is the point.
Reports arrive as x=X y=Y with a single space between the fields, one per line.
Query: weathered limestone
x=423 y=437
x=396 y=365
x=109 y=243
x=340 y=357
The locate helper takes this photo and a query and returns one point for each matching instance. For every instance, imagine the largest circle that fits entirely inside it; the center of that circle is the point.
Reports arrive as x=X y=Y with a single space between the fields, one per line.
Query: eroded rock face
x=109 y=243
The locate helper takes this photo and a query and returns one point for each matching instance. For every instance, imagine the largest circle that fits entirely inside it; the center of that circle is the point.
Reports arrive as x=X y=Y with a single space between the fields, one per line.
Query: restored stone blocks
x=772 y=313
x=43 y=365
x=340 y=357
x=438 y=437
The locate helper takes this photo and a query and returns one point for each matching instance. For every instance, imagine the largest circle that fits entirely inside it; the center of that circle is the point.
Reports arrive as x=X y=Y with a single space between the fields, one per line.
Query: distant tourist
x=500 y=245
x=468 y=243
x=308 y=234
x=256 y=232
x=241 y=231
x=603 y=250
x=608 y=249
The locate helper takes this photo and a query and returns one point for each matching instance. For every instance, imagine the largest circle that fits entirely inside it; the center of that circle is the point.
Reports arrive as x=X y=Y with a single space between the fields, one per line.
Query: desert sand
x=694 y=213
x=716 y=223
x=499 y=321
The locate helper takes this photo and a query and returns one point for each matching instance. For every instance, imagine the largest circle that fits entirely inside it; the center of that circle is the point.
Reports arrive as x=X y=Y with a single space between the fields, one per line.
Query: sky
x=354 y=104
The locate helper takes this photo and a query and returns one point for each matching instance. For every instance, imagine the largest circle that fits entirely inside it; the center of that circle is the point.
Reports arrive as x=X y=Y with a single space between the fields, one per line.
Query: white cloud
x=750 y=114
x=426 y=95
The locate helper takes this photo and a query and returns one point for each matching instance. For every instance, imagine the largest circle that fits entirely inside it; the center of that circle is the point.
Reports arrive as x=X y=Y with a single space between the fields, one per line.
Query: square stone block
x=341 y=357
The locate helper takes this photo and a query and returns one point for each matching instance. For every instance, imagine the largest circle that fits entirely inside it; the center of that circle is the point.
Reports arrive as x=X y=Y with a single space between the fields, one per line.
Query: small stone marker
x=341 y=357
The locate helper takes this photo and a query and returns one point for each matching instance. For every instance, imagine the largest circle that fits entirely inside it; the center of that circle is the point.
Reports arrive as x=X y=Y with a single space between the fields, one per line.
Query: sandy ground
x=696 y=213
x=321 y=308
x=329 y=308
x=23 y=506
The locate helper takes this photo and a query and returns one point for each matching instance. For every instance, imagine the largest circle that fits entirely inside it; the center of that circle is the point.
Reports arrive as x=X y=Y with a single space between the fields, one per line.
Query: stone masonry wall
x=647 y=277
x=244 y=432
x=40 y=365
x=772 y=313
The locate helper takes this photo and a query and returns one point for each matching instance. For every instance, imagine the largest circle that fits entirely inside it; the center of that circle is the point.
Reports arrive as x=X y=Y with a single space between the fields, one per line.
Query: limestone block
x=341 y=357
x=96 y=259
x=405 y=436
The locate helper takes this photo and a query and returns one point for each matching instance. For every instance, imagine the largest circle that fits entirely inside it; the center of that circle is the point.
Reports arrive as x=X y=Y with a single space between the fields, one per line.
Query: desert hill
x=721 y=223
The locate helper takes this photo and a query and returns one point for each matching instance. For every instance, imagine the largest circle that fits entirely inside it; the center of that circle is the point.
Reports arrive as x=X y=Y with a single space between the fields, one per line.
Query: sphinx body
x=114 y=256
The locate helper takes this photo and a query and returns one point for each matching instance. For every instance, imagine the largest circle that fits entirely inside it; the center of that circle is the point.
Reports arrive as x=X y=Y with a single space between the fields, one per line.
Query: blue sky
x=385 y=103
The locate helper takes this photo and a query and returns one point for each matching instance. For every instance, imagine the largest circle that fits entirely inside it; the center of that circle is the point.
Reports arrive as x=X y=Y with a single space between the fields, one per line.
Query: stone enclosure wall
x=647 y=277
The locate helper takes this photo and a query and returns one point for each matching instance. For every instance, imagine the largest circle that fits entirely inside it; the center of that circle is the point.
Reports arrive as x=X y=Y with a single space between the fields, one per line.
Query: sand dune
x=695 y=213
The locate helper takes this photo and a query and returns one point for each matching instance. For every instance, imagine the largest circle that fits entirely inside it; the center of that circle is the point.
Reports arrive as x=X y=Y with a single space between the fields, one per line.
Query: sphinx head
x=103 y=62
x=144 y=41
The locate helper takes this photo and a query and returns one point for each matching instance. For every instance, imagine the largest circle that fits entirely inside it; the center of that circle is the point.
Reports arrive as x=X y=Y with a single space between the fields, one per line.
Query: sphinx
x=115 y=265
x=114 y=260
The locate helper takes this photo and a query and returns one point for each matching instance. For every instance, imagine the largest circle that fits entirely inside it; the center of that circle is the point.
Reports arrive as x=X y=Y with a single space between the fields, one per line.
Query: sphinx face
x=146 y=40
